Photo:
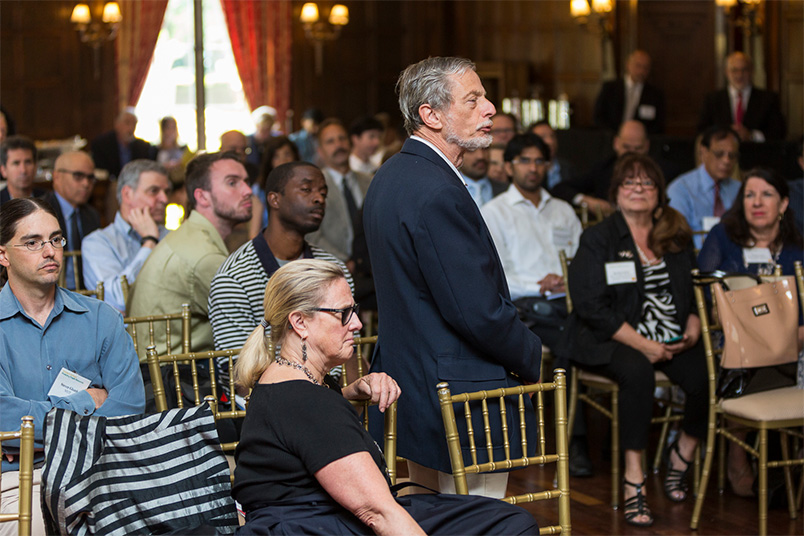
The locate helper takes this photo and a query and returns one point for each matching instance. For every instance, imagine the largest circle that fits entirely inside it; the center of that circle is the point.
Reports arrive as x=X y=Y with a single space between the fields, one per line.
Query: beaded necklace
x=282 y=361
x=644 y=257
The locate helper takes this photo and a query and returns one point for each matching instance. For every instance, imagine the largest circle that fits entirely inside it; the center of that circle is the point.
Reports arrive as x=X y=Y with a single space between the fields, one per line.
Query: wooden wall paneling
x=792 y=67
x=679 y=36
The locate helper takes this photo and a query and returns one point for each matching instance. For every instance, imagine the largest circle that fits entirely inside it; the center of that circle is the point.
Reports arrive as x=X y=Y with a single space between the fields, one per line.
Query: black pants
x=635 y=375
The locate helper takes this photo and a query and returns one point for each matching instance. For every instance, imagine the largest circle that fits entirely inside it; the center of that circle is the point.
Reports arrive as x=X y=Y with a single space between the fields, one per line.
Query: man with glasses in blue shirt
x=704 y=194
x=73 y=181
x=60 y=349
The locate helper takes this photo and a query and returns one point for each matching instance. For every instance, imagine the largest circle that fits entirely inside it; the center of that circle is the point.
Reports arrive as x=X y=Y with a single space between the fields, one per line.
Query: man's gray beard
x=471 y=144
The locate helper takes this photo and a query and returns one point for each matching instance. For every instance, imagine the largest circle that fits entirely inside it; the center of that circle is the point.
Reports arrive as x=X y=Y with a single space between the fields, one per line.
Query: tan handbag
x=760 y=324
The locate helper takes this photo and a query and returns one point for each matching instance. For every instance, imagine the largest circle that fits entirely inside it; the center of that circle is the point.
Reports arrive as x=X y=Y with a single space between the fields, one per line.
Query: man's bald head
x=74 y=177
x=631 y=138
x=125 y=125
x=234 y=141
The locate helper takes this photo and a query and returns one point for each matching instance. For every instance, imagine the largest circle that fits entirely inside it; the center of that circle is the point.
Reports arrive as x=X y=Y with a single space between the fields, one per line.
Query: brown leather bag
x=760 y=324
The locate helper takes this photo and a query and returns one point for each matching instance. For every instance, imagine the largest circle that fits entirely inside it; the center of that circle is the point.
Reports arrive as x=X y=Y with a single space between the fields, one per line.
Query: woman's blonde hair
x=297 y=286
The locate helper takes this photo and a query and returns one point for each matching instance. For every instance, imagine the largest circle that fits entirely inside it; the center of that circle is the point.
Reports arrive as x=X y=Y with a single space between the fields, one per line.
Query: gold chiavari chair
x=479 y=402
x=73 y=257
x=144 y=329
x=780 y=410
x=25 y=436
x=98 y=292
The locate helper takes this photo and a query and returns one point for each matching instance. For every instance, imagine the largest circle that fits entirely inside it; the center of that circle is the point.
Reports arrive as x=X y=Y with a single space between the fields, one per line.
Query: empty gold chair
x=140 y=326
x=25 y=435
x=780 y=410
x=478 y=402
x=74 y=258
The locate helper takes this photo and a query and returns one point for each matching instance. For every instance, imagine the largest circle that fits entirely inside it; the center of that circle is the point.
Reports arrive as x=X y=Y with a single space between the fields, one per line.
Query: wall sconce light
x=318 y=30
x=93 y=32
x=597 y=16
x=744 y=14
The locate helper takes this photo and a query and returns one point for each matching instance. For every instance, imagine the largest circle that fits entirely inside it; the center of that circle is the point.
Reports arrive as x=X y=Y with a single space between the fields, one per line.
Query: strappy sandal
x=637 y=506
x=676 y=479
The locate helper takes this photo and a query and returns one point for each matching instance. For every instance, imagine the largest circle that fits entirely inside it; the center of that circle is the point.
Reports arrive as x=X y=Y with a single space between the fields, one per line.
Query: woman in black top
x=305 y=465
x=631 y=288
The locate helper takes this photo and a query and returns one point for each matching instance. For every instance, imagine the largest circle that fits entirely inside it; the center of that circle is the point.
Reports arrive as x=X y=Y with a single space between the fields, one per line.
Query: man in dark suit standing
x=116 y=148
x=444 y=307
x=631 y=97
x=73 y=181
x=752 y=112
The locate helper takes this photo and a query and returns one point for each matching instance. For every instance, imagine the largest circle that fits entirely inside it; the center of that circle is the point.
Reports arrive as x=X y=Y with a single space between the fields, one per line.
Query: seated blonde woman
x=305 y=465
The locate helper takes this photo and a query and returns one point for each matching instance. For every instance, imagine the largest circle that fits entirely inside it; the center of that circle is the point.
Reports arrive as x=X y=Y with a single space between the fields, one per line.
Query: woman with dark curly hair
x=634 y=313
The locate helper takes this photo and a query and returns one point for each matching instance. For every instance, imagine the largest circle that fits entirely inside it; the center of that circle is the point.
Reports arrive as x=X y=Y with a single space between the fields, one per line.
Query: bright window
x=170 y=86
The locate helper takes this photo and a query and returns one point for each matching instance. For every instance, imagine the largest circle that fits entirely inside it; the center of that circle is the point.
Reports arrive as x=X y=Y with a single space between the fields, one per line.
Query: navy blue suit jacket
x=444 y=307
x=762 y=113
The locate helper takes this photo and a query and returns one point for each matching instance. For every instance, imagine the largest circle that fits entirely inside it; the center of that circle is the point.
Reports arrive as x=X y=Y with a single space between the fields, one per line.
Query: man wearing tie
x=631 y=97
x=705 y=193
x=73 y=180
x=753 y=113
x=346 y=189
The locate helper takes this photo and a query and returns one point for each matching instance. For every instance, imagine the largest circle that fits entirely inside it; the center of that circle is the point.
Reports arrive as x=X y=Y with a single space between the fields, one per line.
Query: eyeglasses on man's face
x=525 y=161
x=345 y=318
x=36 y=245
x=78 y=175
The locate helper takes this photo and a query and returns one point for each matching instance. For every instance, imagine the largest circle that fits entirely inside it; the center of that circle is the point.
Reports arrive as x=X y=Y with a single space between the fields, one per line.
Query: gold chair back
x=135 y=325
x=777 y=410
x=73 y=257
x=560 y=457
x=98 y=292
x=25 y=436
x=125 y=288
x=155 y=362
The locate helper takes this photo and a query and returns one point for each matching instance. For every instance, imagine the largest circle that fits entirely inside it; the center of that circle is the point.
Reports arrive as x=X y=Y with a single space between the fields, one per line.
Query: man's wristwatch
x=149 y=237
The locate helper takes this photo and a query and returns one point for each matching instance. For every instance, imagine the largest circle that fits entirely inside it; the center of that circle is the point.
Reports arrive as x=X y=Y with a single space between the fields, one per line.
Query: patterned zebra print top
x=658 y=322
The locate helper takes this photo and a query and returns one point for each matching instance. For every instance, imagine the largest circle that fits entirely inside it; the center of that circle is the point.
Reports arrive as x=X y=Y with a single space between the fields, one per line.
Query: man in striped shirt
x=296 y=197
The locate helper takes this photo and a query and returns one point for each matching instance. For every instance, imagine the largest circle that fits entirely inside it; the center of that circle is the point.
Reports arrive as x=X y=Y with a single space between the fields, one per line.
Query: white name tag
x=646 y=111
x=618 y=273
x=67 y=383
x=757 y=256
x=709 y=222
x=562 y=239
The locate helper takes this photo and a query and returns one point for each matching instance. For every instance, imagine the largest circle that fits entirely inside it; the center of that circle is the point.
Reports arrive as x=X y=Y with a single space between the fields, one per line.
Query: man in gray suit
x=346 y=190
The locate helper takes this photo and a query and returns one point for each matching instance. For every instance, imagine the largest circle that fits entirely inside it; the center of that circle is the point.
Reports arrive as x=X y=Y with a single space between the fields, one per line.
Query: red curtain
x=135 y=46
x=260 y=32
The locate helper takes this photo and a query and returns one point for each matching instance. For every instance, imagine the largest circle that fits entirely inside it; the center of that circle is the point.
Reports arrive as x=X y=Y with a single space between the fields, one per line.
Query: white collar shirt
x=529 y=237
x=351 y=182
x=442 y=155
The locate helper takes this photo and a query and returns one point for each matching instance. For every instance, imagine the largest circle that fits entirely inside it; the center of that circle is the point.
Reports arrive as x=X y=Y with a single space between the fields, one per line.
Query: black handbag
x=734 y=383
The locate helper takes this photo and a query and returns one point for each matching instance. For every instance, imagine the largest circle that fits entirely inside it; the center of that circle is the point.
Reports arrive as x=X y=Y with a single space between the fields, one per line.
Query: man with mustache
x=180 y=268
x=444 y=307
x=295 y=194
x=60 y=349
x=121 y=248
x=346 y=191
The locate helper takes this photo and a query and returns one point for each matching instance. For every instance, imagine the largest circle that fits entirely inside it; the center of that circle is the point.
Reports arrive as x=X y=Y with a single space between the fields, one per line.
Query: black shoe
x=579 y=463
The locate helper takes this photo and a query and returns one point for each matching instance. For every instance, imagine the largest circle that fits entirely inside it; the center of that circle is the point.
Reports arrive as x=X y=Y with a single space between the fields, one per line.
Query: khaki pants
x=491 y=485
x=9 y=503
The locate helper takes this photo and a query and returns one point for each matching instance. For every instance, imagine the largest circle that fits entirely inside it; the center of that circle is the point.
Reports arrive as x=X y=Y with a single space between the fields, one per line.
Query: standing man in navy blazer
x=631 y=97
x=444 y=307
x=752 y=112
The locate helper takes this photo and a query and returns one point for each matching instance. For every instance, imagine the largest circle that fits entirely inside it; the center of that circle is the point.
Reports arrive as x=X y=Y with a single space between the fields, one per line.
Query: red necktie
x=738 y=112
x=719 y=208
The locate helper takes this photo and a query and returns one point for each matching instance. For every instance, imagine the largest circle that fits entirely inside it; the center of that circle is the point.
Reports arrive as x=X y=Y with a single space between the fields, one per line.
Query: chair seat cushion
x=776 y=405
x=584 y=375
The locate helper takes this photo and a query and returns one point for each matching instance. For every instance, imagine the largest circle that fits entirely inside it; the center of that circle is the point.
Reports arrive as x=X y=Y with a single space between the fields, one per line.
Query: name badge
x=646 y=111
x=562 y=239
x=67 y=383
x=757 y=256
x=709 y=222
x=619 y=273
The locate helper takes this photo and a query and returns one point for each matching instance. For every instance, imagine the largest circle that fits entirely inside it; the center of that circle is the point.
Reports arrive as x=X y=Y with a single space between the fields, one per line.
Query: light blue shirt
x=81 y=334
x=479 y=189
x=554 y=173
x=693 y=195
x=67 y=211
x=112 y=252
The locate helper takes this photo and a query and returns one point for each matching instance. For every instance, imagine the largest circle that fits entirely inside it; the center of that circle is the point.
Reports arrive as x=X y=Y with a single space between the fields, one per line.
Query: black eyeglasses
x=78 y=175
x=37 y=245
x=352 y=310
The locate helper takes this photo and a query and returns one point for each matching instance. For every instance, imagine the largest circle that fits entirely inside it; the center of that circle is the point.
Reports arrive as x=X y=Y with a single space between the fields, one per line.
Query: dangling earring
x=781 y=216
x=304 y=351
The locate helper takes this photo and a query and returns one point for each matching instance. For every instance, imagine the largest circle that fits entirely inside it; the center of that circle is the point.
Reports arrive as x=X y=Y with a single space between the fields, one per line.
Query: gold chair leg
x=657 y=458
x=721 y=463
x=709 y=454
x=615 y=449
x=788 y=476
x=763 y=482
x=573 y=400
